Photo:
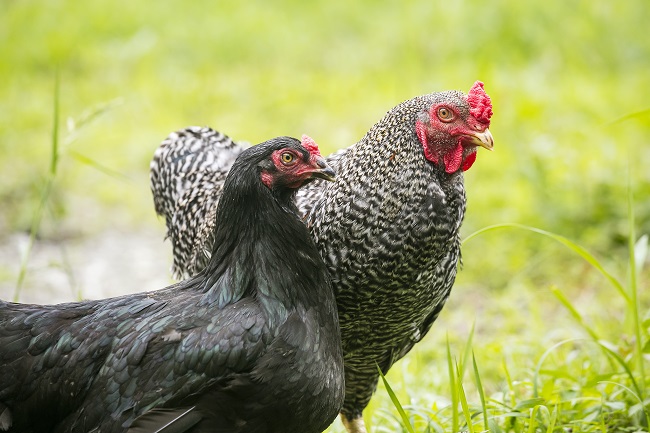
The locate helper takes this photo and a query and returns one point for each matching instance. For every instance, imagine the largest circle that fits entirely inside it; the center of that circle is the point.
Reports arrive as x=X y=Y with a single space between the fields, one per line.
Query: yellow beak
x=483 y=139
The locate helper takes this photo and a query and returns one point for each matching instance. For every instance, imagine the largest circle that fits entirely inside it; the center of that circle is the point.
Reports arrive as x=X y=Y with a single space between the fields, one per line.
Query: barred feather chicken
x=250 y=344
x=387 y=229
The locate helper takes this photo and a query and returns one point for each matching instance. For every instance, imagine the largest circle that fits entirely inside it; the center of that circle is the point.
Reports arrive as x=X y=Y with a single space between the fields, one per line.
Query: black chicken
x=250 y=344
x=388 y=228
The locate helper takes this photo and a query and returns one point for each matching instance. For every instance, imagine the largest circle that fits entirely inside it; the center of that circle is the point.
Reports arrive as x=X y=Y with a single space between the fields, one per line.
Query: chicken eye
x=287 y=158
x=445 y=114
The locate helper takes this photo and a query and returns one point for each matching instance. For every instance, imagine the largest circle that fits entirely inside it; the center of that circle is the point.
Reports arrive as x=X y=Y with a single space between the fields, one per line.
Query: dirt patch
x=111 y=263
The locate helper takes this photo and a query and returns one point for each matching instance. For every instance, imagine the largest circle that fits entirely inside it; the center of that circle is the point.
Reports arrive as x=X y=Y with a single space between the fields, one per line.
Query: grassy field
x=544 y=332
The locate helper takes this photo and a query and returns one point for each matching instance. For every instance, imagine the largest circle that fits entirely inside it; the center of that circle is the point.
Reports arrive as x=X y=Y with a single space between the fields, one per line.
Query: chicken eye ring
x=445 y=114
x=288 y=158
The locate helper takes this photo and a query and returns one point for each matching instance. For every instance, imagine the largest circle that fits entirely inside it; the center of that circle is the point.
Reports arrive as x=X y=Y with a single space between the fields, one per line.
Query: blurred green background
x=569 y=80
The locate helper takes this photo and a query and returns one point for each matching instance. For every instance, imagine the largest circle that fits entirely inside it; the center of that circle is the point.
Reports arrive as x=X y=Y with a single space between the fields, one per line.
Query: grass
x=547 y=326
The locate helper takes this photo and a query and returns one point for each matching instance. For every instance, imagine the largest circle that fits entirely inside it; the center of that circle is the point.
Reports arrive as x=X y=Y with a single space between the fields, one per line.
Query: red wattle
x=453 y=159
x=469 y=161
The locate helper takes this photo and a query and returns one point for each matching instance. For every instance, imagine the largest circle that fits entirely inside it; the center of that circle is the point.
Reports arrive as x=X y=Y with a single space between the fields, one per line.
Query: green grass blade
x=455 y=422
x=532 y=427
x=54 y=159
x=623 y=364
x=463 y=400
x=636 y=115
x=481 y=393
x=511 y=388
x=96 y=165
x=551 y=424
x=467 y=352
x=528 y=404
x=89 y=116
x=576 y=315
x=536 y=419
x=634 y=300
x=545 y=355
x=396 y=403
x=564 y=241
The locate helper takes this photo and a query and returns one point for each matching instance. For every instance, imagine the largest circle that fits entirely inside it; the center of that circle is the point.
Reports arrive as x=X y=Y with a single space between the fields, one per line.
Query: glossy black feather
x=166 y=421
x=251 y=343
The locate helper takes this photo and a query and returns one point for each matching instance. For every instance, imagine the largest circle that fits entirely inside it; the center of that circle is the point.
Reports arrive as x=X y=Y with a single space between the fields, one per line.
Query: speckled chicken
x=249 y=344
x=387 y=229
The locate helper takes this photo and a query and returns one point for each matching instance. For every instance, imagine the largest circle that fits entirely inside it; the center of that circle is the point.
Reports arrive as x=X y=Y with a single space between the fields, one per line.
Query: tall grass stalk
x=59 y=147
x=481 y=393
x=467 y=352
x=463 y=400
x=47 y=189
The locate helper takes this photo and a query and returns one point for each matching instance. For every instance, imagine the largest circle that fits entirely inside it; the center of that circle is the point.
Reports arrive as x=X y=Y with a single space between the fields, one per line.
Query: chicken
x=387 y=229
x=249 y=344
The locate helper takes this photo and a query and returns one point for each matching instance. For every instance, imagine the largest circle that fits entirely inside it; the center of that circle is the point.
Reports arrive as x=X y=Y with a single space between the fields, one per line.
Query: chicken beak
x=483 y=139
x=322 y=170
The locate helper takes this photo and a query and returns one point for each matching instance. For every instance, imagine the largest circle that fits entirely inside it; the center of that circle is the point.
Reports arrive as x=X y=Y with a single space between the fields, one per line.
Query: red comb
x=309 y=144
x=480 y=105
